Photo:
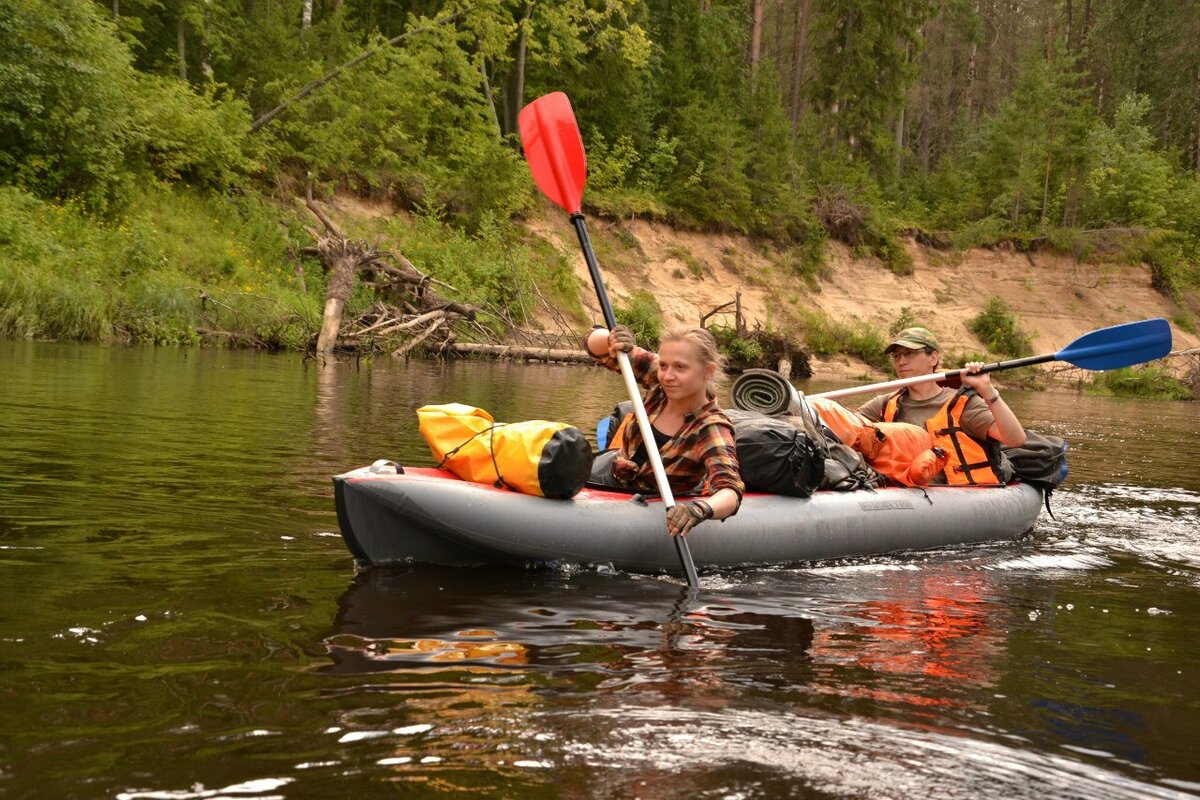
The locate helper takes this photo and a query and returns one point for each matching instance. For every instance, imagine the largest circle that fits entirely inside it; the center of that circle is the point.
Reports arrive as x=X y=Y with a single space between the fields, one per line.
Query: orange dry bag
x=550 y=459
x=905 y=453
x=847 y=425
x=897 y=450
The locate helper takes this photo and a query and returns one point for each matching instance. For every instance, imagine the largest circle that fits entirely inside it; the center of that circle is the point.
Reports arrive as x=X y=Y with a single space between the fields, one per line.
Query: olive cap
x=914 y=339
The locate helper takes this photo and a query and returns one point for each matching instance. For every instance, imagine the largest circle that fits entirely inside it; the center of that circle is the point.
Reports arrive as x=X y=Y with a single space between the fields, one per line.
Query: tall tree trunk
x=1197 y=111
x=306 y=15
x=116 y=10
x=514 y=95
x=1070 y=29
x=491 y=101
x=803 y=13
x=1140 y=57
x=777 y=39
x=1046 y=187
x=181 y=46
x=756 y=35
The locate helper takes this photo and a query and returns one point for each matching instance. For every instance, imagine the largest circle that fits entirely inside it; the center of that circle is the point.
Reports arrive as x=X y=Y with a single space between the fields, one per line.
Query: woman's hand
x=685 y=516
x=620 y=338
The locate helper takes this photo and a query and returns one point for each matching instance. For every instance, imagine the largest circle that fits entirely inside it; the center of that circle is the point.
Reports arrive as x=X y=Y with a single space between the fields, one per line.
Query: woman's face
x=681 y=373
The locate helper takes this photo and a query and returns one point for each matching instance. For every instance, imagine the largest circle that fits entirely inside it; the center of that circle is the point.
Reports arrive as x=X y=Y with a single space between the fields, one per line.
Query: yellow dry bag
x=550 y=459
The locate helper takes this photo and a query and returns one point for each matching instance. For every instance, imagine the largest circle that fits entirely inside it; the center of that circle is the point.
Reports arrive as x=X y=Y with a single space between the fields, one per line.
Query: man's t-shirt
x=976 y=417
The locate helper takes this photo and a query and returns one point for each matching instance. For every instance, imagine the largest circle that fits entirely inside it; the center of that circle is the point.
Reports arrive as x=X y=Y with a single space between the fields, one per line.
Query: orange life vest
x=970 y=461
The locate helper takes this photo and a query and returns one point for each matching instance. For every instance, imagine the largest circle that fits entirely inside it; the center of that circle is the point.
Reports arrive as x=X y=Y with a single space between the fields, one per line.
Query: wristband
x=995 y=397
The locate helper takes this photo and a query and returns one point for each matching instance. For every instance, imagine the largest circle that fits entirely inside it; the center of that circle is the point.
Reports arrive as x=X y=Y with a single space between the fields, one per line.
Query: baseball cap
x=914 y=339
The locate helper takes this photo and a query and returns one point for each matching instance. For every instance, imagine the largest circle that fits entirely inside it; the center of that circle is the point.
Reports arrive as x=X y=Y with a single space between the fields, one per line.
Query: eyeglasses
x=900 y=354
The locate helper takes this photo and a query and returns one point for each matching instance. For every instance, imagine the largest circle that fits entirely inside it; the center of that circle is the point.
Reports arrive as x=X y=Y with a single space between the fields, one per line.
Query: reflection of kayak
x=431 y=516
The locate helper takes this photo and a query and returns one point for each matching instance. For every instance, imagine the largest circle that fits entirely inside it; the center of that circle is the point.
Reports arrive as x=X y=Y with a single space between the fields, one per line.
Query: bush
x=996 y=327
x=743 y=352
x=643 y=316
x=1148 y=382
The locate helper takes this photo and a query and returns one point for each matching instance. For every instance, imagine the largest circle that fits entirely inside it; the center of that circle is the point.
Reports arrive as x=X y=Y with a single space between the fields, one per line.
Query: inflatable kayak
x=392 y=515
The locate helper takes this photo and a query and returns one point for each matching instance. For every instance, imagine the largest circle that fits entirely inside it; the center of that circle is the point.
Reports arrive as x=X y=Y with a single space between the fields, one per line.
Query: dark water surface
x=180 y=619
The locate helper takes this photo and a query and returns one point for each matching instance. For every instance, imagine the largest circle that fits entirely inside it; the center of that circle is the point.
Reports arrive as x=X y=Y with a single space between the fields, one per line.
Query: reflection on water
x=181 y=619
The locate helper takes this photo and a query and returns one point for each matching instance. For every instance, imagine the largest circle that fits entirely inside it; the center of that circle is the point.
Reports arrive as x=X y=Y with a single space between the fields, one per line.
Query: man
x=970 y=424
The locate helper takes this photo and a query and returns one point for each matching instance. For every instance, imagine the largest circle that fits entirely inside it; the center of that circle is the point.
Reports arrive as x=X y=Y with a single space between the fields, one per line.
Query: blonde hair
x=706 y=350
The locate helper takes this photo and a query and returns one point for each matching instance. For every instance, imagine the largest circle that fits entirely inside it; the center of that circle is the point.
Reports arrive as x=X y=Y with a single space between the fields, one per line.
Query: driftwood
x=514 y=351
x=408 y=306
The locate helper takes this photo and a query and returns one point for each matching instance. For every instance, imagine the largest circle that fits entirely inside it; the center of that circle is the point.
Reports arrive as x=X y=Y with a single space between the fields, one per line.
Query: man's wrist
x=993 y=399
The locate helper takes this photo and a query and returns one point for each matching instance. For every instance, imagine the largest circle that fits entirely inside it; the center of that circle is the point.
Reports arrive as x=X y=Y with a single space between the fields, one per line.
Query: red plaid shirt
x=702 y=451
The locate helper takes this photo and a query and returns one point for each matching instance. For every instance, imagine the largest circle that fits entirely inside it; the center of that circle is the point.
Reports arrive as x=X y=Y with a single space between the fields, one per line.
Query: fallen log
x=514 y=351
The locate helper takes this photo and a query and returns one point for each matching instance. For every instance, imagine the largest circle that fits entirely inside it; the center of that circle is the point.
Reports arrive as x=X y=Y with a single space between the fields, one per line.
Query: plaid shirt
x=702 y=451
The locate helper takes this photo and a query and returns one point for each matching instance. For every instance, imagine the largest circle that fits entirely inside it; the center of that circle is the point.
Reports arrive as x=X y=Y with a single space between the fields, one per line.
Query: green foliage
x=996 y=327
x=199 y=139
x=179 y=262
x=76 y=121
x=497 y=266
x=905 y=319
x=1149 y=382
x=1128 y=182
x=738 y=350
x=825 y=337
x=65 y=101
x=643 y=316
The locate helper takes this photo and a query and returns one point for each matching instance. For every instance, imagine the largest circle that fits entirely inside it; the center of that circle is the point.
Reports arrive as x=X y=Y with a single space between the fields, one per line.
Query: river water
x=180 y=619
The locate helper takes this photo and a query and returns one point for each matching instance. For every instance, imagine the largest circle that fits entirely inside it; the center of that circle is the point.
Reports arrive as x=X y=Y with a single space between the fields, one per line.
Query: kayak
x=402 y=515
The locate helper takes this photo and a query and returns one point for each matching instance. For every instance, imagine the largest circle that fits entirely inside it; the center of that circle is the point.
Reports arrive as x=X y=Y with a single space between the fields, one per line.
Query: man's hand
x=980 y=383
x=682 y=518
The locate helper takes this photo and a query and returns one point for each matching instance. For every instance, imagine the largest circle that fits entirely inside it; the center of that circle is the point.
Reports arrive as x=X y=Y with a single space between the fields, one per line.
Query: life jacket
x=970 y=461
x=905 y=453
x=551 y=459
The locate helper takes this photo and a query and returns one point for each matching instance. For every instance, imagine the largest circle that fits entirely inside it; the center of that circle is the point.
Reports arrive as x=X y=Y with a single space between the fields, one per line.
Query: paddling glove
x=621 y=338
x=685 y=516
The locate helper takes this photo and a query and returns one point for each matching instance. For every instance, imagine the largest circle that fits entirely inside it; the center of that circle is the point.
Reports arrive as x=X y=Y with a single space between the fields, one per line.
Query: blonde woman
x=694 y=436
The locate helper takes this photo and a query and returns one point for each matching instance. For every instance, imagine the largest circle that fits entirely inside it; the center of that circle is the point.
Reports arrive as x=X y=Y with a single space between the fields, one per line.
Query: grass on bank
x=183 y=267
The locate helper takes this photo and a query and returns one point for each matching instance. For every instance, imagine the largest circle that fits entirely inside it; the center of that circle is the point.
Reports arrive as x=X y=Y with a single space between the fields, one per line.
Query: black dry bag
x=774 y=456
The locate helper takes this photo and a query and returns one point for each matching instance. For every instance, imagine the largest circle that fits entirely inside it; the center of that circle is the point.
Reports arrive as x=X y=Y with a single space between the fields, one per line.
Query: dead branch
x=425 y=334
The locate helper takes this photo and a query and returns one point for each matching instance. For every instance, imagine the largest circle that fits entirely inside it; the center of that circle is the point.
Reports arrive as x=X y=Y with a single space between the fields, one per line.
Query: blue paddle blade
x=1120 y=345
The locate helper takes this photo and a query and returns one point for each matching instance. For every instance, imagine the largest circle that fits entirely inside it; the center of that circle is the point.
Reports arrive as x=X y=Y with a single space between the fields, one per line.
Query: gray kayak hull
x=430 y=516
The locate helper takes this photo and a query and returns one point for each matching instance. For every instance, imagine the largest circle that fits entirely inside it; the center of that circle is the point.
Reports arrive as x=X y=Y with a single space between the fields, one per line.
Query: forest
x=155 y=154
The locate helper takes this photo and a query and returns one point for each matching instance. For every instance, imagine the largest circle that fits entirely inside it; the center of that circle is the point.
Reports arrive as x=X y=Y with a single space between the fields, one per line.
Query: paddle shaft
x=1104 y=348
x=934 y=377
x=635 y=396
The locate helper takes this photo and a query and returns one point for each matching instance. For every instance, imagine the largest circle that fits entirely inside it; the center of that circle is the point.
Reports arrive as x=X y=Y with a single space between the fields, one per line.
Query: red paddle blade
x=554 y=149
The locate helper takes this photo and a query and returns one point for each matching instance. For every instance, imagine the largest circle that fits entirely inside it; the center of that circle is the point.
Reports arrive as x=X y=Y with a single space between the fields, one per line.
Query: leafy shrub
x=739 y=351
x=996 y=327
x=183 y=136
x=642 y=316
x=1148 y=382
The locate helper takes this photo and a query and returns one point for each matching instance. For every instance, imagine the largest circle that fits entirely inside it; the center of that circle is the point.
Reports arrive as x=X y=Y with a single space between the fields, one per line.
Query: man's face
x=908 y=362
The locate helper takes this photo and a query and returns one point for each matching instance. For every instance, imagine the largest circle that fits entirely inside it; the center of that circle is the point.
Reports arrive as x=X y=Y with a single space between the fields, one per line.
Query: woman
x=694 y=437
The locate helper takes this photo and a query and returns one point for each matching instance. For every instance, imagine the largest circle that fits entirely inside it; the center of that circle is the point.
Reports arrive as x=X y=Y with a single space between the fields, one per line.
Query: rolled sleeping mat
x=765 y=391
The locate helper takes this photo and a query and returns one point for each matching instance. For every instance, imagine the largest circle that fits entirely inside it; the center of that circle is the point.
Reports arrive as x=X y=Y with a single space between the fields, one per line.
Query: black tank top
x=660 y=439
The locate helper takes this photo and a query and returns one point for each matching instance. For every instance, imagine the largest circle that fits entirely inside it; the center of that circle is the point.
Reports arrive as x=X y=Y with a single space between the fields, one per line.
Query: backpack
x=776 y=457
x=1041 y=462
